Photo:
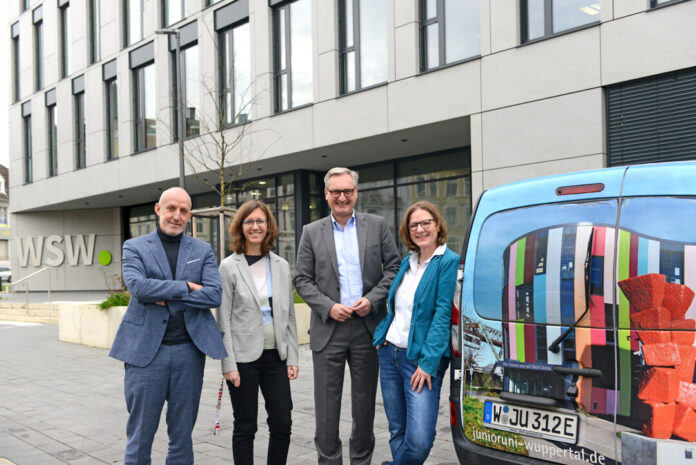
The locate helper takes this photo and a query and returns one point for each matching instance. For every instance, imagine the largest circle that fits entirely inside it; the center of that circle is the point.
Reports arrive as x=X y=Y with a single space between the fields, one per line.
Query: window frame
x=657 y=4
x=139 y=110
x=184 y=93
x=111 y=113
x=52 y=137
x=279 y=72
x=548 y=23
x=438 y=19
x=64 y=20
x=94 y=7
x=227 y=75
x=38 y=53
x=165 y=11
x=28 y=146
x=16 y=81
x=80 y=129
x=127 y=14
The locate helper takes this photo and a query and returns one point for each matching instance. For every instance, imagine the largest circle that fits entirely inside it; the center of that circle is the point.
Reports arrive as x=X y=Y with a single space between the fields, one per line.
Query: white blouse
x=403 y=298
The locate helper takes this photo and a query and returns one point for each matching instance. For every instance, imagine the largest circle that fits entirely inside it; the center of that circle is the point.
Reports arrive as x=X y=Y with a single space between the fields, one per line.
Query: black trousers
x=270 y=374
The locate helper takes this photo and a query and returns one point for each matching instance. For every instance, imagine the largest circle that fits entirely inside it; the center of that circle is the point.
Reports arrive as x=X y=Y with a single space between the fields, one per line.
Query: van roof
x=677 y=178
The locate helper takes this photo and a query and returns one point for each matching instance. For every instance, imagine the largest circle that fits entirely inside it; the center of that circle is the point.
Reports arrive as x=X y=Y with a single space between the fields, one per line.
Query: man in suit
x=167 y=330
x=345 y=264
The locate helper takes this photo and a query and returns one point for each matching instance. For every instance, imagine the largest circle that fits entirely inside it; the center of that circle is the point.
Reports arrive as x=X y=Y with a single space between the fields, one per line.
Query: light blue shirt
x=348 y=258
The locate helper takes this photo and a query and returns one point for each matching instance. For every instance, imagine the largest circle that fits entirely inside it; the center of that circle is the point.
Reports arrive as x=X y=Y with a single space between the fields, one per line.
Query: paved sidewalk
x=63 y=403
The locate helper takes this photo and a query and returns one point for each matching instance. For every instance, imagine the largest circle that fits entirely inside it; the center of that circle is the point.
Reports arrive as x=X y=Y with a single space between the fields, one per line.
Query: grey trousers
x=350 y=342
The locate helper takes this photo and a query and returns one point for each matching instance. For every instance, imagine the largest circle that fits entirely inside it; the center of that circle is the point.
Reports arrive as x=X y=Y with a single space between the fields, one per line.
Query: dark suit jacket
x=149 y=279
x=316 y=277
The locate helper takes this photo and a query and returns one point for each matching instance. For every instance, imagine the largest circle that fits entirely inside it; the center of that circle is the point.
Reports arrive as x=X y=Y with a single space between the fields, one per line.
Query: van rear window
x=531 y=262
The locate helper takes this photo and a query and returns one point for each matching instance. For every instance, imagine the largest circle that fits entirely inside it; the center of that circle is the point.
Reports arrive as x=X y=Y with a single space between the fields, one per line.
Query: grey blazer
x=239 y=315
x=316 y=277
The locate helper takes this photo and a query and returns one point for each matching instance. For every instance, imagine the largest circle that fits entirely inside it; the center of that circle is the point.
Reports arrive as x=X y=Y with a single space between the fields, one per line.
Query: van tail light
x=580 y=189
x=454 y=330
x=453 y=414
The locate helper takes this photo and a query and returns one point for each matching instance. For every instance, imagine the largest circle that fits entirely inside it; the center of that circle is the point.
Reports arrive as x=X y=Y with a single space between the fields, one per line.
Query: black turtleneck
x=176 y=326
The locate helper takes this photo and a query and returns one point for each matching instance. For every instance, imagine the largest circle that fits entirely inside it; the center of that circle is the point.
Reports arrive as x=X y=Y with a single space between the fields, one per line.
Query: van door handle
x=529 y=400
x=586 y=372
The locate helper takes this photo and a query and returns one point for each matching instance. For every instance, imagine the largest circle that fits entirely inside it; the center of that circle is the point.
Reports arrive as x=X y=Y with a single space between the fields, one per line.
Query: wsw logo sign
x=52 y=250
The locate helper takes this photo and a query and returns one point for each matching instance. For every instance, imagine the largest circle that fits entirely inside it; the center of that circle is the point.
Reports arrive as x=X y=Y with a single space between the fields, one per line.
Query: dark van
x=574 y=321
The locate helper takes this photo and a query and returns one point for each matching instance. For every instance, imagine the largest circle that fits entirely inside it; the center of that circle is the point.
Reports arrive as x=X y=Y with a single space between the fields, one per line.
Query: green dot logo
x=104 y=257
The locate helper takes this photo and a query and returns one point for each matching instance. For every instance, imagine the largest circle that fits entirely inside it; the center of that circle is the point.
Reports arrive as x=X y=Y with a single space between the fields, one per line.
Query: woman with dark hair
x=257 y=317
x=413 y=339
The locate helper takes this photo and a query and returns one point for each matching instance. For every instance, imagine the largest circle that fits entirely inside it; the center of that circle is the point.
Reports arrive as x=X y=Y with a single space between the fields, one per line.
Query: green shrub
x=297 y=299
x=117 y=299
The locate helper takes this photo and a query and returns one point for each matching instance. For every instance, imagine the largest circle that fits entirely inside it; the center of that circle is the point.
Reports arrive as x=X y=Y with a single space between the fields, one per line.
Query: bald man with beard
x=167 y=330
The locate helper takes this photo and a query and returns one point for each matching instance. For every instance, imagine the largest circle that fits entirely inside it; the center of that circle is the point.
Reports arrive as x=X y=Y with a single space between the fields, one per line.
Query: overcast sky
x=5 y=87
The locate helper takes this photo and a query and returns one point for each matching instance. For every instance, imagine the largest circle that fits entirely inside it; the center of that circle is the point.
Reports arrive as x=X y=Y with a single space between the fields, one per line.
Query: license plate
x=531 y=421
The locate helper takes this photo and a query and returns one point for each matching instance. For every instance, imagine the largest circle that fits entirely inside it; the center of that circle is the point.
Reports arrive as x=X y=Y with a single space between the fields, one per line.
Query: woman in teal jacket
x=413 y=339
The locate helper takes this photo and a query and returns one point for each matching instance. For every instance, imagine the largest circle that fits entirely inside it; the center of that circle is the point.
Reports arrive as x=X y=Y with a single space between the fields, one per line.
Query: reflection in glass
x=448 y=164
x=39 y=54
x=378 y=202
x=65 y=40
x=462 y=29
x=52 y=141
x=28 y=151
x=173 y=11
x=242 y=74
x=145 y=107
x=373 y=42
x=80 y=150
x=286 y=230
x=456 y=207
x=112 y=119
x=535 y=19
x=432 y=46
x=376 y=176
x=191 y=90
x=430 y=9
x=134 y=18
x=301 y=52
x=568 y=14
x=559 y=223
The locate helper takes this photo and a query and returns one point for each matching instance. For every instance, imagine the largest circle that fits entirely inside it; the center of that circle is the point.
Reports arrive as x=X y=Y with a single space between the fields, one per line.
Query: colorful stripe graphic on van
x=544 y=284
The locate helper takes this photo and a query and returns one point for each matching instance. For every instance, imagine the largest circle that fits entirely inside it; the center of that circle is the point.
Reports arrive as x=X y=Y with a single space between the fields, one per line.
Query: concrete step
x=29 y=319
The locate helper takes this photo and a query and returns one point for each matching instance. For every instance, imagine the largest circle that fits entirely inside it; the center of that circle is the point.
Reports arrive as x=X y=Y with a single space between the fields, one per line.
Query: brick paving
x=63 y=403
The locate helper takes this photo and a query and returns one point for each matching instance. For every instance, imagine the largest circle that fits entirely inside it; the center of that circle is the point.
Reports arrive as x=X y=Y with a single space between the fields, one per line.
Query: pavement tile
x=76 y=411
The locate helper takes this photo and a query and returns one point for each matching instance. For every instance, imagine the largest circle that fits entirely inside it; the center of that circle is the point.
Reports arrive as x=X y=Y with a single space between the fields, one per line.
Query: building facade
x=426 y=99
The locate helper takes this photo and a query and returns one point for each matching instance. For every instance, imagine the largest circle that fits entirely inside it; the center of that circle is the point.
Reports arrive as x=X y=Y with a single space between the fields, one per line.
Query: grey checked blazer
x=239 y=315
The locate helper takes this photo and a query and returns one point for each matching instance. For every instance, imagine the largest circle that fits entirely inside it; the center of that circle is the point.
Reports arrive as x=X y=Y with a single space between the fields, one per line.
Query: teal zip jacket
x=429 y=334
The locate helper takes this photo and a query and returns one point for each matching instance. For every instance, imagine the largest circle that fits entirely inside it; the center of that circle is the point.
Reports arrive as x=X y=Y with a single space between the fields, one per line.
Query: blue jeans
x=412 y=416
x=175 y=375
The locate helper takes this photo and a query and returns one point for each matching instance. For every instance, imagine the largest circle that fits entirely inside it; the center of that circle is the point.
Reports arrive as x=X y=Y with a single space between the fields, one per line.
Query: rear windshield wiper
x=555 y=345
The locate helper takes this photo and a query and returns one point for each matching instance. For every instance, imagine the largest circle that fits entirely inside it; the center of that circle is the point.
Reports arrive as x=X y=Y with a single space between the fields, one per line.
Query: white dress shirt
x=403 y=298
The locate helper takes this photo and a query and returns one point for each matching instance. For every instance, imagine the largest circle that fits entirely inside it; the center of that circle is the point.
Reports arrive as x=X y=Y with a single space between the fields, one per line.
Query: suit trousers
x=174 y=375
x=269 y=373
x=350 y=342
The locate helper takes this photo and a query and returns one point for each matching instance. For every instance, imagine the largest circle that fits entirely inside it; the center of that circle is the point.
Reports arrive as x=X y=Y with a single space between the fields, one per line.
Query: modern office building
x=427 y=99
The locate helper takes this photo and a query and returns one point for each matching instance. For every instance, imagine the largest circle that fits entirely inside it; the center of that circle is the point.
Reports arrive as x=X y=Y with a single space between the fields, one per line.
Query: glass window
x=145 y=107
x=141 y=220
x=28 y=151
x=111 y=119
x=286 y=229
x=654 y=3
x=533 y=256
x=363 y=26
x=80 y=149
x=378 y=202
x=94 y=31
x=373 y=176
x=133 y=21
x=191 y=92
x=293 y=63
x=173 y=11
x=15 y=69
x=24 y=5
x=38 y=55
x=543 y=18
x=65 y=40
x=236 y=74
x=52 y=137
x=450 y=31
x=3 y=215
x=442 y=165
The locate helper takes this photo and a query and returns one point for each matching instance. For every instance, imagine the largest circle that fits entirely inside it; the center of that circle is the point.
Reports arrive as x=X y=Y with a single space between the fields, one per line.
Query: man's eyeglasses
x=258 y=222
x=425 y=224
x=336 y=193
